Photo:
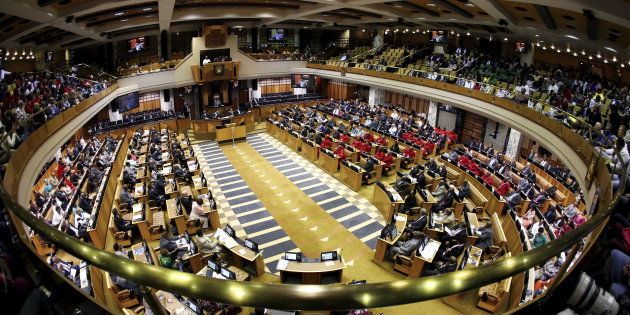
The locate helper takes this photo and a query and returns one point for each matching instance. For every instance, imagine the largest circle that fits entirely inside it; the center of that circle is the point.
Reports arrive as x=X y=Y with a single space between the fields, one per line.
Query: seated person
x=440 y=191
x=484 y=235
x=171 y=246
x=340 y=152
x=208 y=245
x=419 y=224
x=123 y=225
x=198 y=212
x=441 y=267
x=126 y=196
x=166 y=259
x=406 y=248
x=513 y=199
x=410 y=203
x=540 y=238
x=617 y=269
x=387 y=158
x=503 y=188
x=369 y=168
x=450 y=248
x=326 y=143
x=488 y=178
x=156 y=197
x=528 y=219
x=181 y=173
x=186 y=201
x=128 y=178
x=446 y=201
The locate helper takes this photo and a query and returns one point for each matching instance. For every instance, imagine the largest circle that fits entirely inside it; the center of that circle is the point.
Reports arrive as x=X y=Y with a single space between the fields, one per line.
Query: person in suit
x=441 y=267
x=126 y=196
x=128 y=179
x=485 y=236
x=440 y=191
x=410 y=203
x=419 y=224
x=186 y=201
x=123 y=225
x=451 y=248
x=208 y=245
x=369 y=168
x=446 y=201
x=406 y=248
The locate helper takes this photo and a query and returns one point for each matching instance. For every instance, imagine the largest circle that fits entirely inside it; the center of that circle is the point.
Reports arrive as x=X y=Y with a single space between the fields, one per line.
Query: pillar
x=376 y=96
x=433 y=113
x=528 y=57
x=166 y=100
x=254 y=35
x=164 y=44
x=513 y=143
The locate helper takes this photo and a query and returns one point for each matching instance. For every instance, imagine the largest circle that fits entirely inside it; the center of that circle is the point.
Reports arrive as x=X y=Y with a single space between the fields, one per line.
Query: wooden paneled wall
x=409 y=103
x=275 y=85
x=340 y=90
x=148 y=101
x=474 y=127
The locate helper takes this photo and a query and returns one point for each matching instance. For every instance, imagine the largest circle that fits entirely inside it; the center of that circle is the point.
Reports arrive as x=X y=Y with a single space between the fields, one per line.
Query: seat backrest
x=498 y=235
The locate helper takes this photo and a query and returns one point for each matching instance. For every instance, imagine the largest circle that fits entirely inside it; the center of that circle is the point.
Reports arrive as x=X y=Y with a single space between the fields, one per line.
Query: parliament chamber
x=314 y=157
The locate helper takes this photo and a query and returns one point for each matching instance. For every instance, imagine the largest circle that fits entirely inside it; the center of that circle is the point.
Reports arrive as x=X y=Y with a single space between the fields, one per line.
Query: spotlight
x=552 y=46
x=590 y=57
x=583 y=52
x=599 y=55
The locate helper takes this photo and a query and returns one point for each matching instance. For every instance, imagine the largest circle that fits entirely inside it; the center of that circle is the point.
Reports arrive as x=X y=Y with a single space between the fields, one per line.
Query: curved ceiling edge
x=530 y=128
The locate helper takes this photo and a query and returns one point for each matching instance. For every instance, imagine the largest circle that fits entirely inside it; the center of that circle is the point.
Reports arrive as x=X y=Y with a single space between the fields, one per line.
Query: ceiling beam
x=420 y=9
x=165 y=9
x=454 y=8
x=543 y=11
x=495 y=10
x=591 y=25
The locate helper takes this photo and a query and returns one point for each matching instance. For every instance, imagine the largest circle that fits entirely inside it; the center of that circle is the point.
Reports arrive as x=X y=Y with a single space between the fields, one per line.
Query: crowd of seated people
x=601 y=103
x=42 y=95
x=287 y=97
x=131 y=119
x=226 y=113
x=275 y=54
x=70 y=195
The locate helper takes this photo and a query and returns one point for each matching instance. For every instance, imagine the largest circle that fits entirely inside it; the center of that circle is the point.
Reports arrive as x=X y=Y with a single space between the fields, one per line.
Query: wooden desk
x=473 y=223
x=224 y=135
x=351 y=178
x=293 y=142
x=198 y=188
x=211 y=214
x=422 y=258
x=328 y=163
x=474 y=257
x=383 y=244
x=141 y=173
x=138 y=192
x=313 y=272
x=139 y=252
x=172 y=304
x=382 y=202
x=178 y=219
x=245 y=258
x=240 y=274
x=186 y=189
x=311 y=153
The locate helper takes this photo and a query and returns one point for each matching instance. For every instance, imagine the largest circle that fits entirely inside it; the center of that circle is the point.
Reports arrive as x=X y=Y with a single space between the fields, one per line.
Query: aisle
x=350 y=209
x=241 y=208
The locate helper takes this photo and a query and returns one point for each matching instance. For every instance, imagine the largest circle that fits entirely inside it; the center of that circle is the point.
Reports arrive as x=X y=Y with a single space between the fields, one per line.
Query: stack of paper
x=282 y=264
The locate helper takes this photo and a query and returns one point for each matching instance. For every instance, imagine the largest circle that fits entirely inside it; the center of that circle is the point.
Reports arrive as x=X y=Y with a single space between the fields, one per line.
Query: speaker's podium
x=231 y=133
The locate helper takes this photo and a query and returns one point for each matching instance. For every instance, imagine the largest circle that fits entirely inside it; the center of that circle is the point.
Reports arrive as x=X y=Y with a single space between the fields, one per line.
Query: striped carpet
x=351 y=210
x=240 y=207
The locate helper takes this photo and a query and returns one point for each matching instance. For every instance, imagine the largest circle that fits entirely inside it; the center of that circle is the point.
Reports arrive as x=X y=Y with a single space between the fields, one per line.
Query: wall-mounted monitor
x=277 y=35
x=302 y=81
x=439 y=36
x=136 y=44
x=128 y=102
x=521 y=47
x=49 y=55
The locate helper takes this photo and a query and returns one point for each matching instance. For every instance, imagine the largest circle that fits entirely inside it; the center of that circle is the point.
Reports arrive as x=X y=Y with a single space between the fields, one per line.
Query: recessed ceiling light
x=614 y=59
x=558 y=50
x=590 y=57
x=583 y=52
x=119 y=13
x=124 y=20
x=422 y=18
x=147 y=9
x=571 y=36
x=536 y=35
x=552 y=46
x=469 y=4
x=574 y=54
x=611 y=49
x=599 y=55
x=430 y=4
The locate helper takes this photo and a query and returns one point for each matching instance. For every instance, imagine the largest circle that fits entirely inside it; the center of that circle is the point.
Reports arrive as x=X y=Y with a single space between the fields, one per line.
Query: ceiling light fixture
x=558 y=50
x=469 y=4
x=614 y=59
x=536 y=35
x=571 y=36
x=605 y=60
x=623 y=65
x=452 y=32
x=457 y=34
x=552 y=46
x=119 y=13
x=431 y=4
x=611 y=49
x=147 y=9
x=574 y=54
x=505 y=39
x=467 y=33
x=583 y=52
x=599 y=55
x=544 y=47
x=568 y=49
x=590 y=57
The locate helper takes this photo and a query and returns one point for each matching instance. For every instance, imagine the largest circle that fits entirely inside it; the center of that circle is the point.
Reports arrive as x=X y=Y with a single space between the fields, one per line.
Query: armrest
x=123 y=295
x=405 y=260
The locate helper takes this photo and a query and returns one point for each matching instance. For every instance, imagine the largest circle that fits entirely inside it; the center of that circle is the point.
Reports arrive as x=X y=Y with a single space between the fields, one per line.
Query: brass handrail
x=310 y=297
x=307 y=297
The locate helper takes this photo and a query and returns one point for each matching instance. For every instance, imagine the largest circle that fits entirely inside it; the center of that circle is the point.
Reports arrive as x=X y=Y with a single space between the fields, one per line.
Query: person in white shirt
x=393 y=130
x=81 y=217
x=198 y=213
x=206 y=60
x=58 y=216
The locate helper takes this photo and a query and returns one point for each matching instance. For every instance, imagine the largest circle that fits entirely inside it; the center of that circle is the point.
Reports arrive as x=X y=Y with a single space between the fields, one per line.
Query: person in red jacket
x=503 y=188
x=357 y=144
x=326 y=143
x=407 y=136
x=368 y=137
x=463 y=161
x=409 y=156
x=487 y=178
x=382 y=141
x=60 y=169
x=474 y=167
x=340 y=152
x=428 y=147
x=385 y=158
x=366 y=148
x=344 y=138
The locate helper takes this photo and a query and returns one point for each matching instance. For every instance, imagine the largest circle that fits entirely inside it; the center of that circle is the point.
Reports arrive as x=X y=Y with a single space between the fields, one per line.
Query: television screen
x=230 y=231
x=521 y=47
x=49 y=55
x=128 y=102
x=136 y=44
x=438 y=36
x=302 y=81
x=277 y=35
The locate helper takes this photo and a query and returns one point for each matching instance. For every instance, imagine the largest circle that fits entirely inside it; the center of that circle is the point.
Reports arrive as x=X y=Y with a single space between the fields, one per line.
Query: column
x=433 y=113
x=166 y=100
x=513 y=143
x=528 y=57
x=376 y=96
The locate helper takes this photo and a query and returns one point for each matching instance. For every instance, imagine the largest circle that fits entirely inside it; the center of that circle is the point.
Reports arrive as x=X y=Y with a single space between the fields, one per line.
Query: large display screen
x=521 y=47
x=438 y=36
x=128 y=102
x=302 y=81
x=277 y=35
x=136 y=44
